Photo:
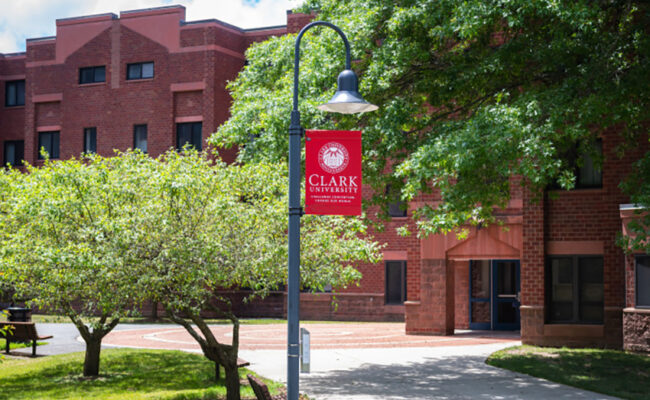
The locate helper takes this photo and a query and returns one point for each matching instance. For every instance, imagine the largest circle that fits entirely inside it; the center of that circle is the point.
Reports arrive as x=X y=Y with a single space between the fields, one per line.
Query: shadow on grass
x=124 y=374
x=611 y=372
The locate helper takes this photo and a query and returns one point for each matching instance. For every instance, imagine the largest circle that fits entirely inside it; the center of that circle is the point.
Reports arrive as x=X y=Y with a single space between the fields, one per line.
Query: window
x=189 y=133
x=584 y=161
x=50 y=142
x=90 y=140
x=575 y=289
x=395 y=282
x=92 y=74
x=15 y=93
x=396 y=207
x=139 y=70
x=140 y=137
x=14 y=152
x=643 y=281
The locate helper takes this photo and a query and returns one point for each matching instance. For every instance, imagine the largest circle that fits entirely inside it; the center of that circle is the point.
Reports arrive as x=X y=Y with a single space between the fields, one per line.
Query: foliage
x=68 y=228
x=471 y=93
x=127 y=374
x=616 y=373
x=214 y=226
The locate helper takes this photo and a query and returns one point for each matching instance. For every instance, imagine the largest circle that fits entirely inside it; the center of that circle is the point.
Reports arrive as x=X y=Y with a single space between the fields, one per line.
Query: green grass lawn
x=124 y=374
x=610 y=372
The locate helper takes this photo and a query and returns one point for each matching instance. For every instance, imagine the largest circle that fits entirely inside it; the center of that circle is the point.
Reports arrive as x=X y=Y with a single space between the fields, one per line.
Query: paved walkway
x=356 y=361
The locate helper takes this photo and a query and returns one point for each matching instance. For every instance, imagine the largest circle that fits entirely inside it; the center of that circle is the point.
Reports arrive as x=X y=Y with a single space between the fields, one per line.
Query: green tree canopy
x=68 y=228
x=214 y=226
x=471 y=93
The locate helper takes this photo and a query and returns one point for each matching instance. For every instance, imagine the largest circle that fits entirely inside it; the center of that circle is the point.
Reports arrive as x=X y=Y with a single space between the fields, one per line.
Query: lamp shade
x=347 y=99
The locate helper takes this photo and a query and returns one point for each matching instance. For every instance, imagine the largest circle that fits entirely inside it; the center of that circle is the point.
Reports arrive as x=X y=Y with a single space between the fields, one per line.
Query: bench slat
x=22 y=332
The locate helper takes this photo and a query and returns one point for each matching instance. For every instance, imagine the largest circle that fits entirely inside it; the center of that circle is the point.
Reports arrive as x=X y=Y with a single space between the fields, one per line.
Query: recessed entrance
x=494 y=294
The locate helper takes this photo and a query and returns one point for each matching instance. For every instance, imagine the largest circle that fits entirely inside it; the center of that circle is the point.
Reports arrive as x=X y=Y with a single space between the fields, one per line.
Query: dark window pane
x=100 y=74
x=90 y=140
x=561 y=304
x=197 y=140
x=20 y=93
x=50 y=142
x=13 y=152
x=643 y=281
x=86 y=75
x=92 y=74
x=589 y=174
x=139 y=70
x=396 y=207
x=590 y=276
x=507 y=278
x=189 y=133
x=15 y=93
x=395 y=282
x=140 y=137
x=507 y=313
x=134 y=71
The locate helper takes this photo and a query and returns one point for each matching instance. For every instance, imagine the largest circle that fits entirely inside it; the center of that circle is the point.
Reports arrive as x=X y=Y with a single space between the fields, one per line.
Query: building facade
x=150 y=80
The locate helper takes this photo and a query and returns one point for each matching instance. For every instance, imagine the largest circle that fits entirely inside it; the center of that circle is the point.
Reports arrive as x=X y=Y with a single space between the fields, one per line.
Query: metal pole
x=295 y=212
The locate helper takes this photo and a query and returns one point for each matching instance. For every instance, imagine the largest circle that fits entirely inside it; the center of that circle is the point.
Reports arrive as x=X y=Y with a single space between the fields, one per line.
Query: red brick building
x=151 y=80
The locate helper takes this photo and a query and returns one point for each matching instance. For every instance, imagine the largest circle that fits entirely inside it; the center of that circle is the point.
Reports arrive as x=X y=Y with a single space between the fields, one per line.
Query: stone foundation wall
x=636 y=328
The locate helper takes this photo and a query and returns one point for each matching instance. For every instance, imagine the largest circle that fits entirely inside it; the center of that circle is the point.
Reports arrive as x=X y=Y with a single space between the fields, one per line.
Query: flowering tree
x=68 y=229
x=214 y=226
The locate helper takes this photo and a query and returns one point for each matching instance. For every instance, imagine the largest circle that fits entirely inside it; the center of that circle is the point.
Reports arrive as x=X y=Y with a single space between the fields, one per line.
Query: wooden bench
x=22 y=332
x=259 y=388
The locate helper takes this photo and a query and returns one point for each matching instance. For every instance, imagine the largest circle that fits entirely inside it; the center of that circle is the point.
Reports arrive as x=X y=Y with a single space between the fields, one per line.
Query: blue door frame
x=503 y=299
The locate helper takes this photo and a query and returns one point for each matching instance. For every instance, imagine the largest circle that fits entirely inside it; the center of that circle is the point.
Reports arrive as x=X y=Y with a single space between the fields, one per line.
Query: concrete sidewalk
x=457 y=372
x=414 y=373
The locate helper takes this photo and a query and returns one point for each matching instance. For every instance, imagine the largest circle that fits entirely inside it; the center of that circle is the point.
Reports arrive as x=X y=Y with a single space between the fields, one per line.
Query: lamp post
x=346 y=100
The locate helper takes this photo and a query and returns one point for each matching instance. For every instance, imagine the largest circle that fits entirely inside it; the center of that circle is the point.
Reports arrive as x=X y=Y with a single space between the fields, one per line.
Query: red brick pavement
x=323 y=336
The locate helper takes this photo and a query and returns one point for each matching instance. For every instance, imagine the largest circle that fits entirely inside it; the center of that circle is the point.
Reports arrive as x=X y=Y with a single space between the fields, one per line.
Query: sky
x=23 y=19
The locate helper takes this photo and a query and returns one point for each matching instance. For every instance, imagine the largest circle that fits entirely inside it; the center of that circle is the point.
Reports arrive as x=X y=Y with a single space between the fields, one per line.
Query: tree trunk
x=217 y=372
x=232 y=381
x=91 y=363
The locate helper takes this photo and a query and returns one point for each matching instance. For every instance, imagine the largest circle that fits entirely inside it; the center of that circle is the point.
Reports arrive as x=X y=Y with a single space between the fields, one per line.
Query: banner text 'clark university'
x=333 y=172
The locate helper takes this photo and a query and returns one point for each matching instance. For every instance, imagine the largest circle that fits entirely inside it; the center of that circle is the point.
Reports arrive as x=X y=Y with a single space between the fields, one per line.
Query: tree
x=214 y=226
x=471 y=93
x=68 y=228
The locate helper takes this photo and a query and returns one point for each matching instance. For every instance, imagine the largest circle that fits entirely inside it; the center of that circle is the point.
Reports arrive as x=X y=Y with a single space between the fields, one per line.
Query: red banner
x=333 y=172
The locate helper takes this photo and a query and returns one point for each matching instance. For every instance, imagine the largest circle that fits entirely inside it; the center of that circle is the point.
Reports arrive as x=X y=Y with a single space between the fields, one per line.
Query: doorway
x=494 y=294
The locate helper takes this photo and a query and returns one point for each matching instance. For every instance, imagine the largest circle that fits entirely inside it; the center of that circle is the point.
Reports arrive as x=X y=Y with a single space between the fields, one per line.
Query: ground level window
x=90 y=140
x=50 y=142
x=395 y=282
x=575 y=289
x=642 y=281
x=189 y=133
x=13 y=152
x=140 y=137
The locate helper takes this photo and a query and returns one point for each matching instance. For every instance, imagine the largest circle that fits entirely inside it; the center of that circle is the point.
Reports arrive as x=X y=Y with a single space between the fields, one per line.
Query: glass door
x=505 y=295
x=480 y=314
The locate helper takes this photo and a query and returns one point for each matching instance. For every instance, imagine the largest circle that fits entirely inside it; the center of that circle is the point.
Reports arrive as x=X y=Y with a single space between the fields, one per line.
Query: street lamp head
x=347 y=99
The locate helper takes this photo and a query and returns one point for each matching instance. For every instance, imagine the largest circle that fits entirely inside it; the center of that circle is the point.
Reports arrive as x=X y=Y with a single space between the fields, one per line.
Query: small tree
x=68 y=230
x=214 y=226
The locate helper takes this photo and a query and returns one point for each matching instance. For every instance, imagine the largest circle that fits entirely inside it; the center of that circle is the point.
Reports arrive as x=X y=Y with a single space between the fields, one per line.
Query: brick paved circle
x=323 y=336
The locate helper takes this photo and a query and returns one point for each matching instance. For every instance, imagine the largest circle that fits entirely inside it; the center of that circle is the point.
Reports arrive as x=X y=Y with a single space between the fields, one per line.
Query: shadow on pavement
x=462 y=377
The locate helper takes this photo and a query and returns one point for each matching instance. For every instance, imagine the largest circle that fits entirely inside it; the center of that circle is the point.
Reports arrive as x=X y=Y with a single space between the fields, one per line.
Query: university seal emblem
x=333 y=157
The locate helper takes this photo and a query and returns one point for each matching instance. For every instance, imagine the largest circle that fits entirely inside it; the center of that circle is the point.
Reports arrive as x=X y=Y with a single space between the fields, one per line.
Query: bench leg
x=33 y=348
x=7 y=345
